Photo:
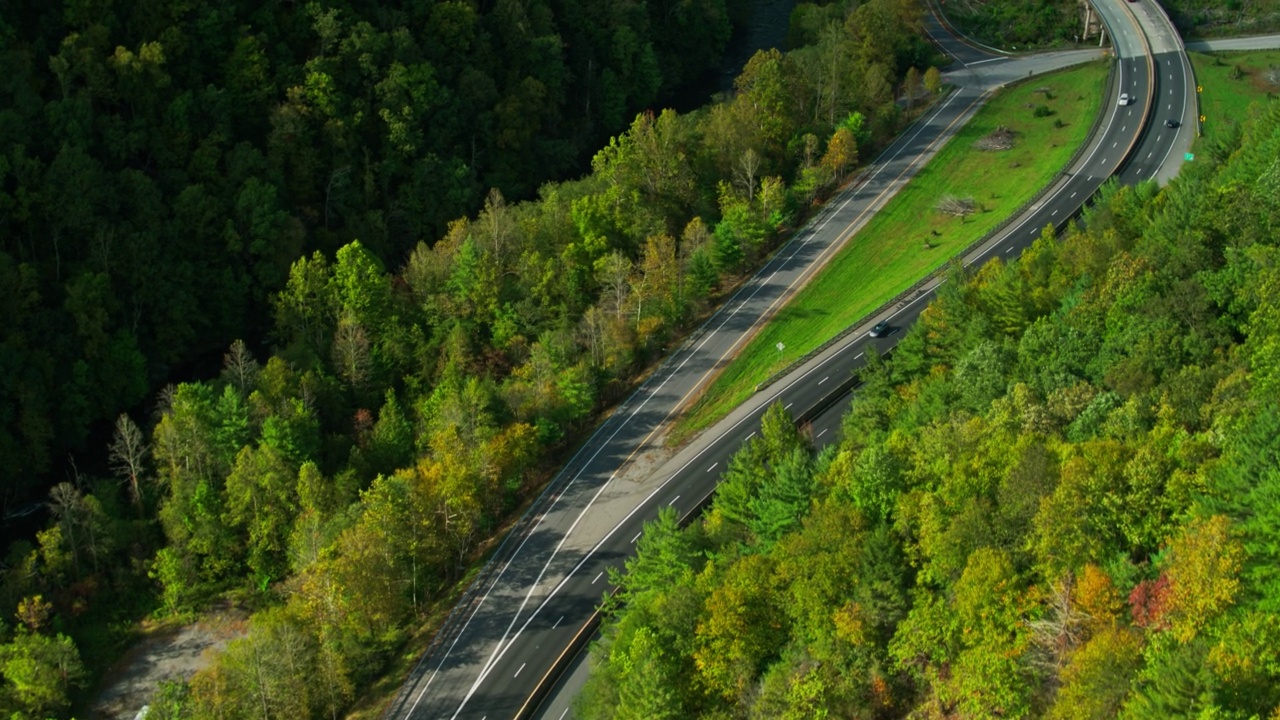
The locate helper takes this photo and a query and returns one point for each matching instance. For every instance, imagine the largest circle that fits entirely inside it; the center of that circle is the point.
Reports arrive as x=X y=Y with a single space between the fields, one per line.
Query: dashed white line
x=520 y=670
x=753 y=434
x=566 y=712
x=637 y=537
x=1075 y=193
x=824 y=432
x=1009 y=250
x=673 y=501
x=553 y=627
x=1055 y=212
x=1115 y=143
x=855 y=357
x=713 y=466
x=788 y=407
x=593 y=582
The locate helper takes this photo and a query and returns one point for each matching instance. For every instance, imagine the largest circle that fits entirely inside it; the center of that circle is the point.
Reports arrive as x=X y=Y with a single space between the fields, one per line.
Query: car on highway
x=1124 y=99
x=881 y=329
x=1171 y=123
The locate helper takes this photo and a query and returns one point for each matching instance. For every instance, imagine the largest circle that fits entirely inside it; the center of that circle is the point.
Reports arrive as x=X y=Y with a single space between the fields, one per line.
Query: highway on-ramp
x=538 y=593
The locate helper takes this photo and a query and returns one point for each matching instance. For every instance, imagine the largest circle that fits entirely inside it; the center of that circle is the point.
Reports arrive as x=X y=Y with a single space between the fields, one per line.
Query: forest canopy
x=412 y=330
x=1056 y=499
x=163 y=164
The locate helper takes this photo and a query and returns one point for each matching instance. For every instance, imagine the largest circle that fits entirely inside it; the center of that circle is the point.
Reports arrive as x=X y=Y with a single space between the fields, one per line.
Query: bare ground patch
x=165 y=653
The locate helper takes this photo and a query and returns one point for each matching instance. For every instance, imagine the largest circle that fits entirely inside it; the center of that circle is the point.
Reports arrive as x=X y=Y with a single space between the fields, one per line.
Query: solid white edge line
x=501 y=649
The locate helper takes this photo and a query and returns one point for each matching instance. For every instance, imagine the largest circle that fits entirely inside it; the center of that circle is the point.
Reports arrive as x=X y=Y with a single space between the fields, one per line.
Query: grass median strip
x=1044 y=120
x=1231 y=82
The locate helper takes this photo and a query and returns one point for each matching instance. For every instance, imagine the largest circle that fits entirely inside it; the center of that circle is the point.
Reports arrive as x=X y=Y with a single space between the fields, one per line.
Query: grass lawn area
x=889 y=254
x=1226 y=99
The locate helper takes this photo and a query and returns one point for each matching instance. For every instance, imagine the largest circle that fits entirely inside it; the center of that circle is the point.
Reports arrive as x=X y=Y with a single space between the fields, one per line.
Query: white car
x=1124 y=99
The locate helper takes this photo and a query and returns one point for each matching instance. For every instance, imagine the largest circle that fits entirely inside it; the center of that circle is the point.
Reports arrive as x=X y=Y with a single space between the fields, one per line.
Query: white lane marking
x=566 y=712
x=1183 y=114
x=788 y=407
x=1115 y=143
x=1170 y=106
x=824 y=379
x=1075 y=193
x=1006 y=252
x=713 y=466
x=1148 y=157
x=505 y=644
x=553 y=627
x=753 y=434
x=519 y=671
x=824 y=432
x=979 y=62
x=593 y=582
x=1055 y=212
x=637 y=537
x=1124 y=128
x=673 y=501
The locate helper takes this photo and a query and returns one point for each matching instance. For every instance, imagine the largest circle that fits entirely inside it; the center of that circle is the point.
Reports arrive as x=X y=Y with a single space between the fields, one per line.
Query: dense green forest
x=162 y=164
x=1224 y=17
x=275 y=174
x=1046 y=23
x=1056 y=499
x=1022 y=24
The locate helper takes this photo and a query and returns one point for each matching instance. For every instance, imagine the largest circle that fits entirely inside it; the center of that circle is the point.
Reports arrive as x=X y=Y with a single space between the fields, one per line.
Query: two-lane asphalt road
x=543 y=583
x=539 y=592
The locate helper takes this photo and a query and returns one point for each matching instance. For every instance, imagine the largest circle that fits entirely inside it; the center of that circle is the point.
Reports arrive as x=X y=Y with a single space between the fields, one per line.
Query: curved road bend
x=818 y=392
x=1161 y=153
x=545 y=580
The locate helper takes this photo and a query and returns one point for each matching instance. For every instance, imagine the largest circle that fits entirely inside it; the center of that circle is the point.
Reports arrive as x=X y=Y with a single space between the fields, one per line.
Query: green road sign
x=1189 y=156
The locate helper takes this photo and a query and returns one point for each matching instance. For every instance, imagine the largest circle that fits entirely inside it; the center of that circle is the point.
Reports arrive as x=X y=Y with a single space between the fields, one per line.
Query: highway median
x=1015 y=146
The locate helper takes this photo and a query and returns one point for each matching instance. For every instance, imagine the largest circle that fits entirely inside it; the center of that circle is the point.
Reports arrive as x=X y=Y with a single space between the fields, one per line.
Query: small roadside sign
x=1189 y=157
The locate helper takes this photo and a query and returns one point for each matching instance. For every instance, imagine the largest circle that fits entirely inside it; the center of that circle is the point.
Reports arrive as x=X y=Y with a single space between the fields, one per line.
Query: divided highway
x=534 y=602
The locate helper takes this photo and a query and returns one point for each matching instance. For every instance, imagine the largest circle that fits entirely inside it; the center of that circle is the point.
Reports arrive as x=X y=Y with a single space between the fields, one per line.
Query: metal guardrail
x=1151 y=87
x=914 y=291
x=1191 y=68
x=917 y=288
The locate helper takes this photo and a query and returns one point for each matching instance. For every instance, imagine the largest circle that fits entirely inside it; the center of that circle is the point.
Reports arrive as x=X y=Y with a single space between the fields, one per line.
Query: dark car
x=1171 y=123
x=881 y=329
